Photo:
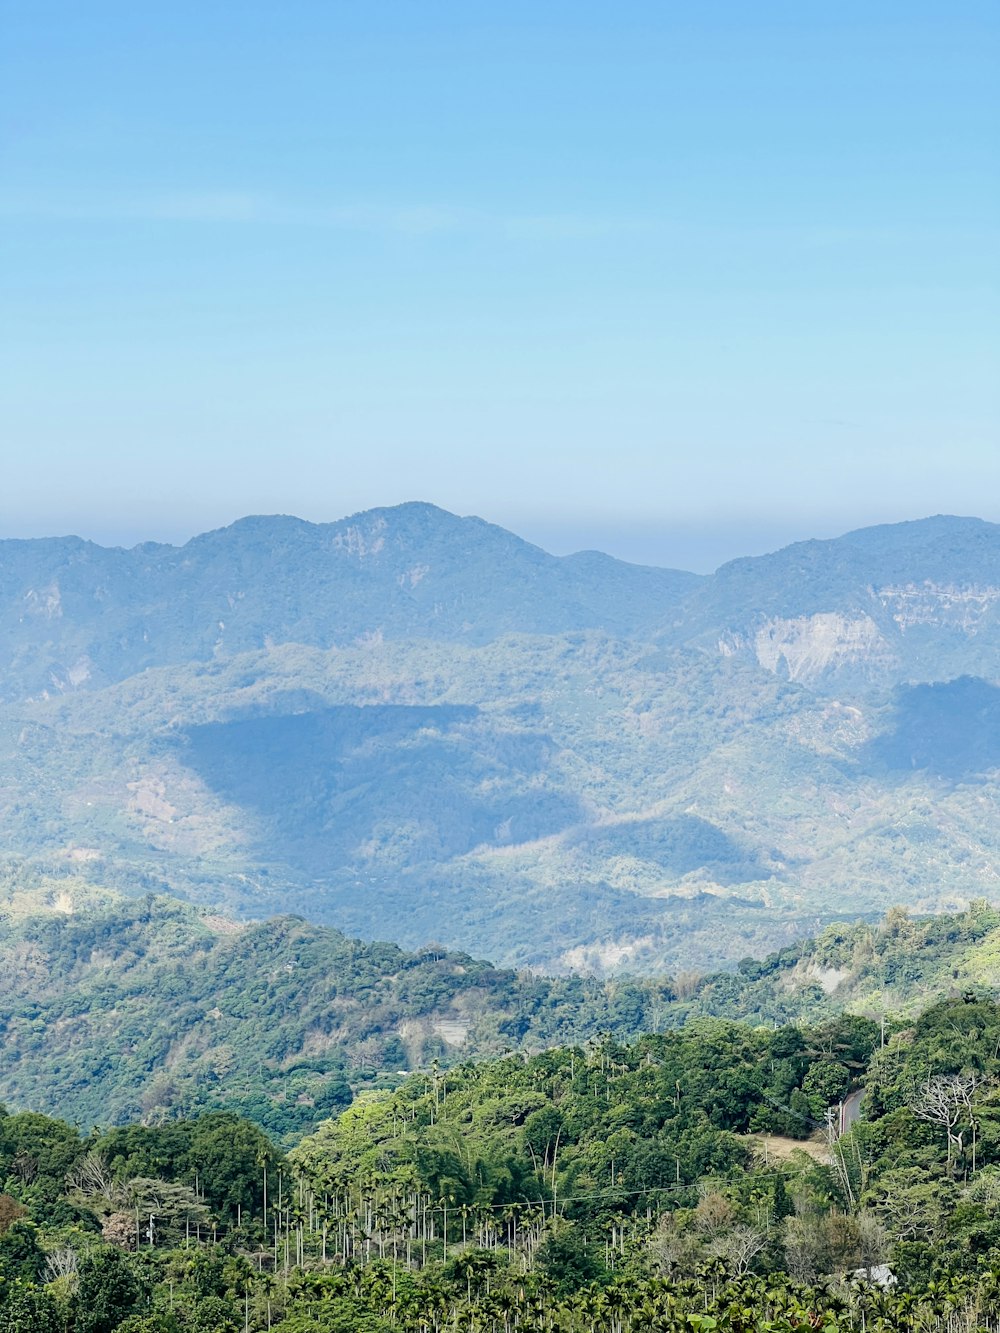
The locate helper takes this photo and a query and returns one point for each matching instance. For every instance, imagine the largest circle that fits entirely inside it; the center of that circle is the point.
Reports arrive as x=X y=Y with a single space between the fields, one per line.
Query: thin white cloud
x=245 y=207
x=251 y=208
x=218 y=206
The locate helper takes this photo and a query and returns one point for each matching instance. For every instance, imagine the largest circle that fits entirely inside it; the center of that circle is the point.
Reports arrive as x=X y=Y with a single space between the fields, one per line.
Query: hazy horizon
x=678 y=282
x=696 y=548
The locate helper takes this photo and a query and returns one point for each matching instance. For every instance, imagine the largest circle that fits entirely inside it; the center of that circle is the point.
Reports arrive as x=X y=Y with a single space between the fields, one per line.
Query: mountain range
x=77 y=614
x=122 y=1009
x=412 y=725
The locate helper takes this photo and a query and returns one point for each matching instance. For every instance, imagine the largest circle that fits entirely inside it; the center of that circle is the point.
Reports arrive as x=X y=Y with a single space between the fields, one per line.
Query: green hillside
x=886 y=969
x=691 y=1180
x=148 y=1008
x=556 y=763
x=119 y=1009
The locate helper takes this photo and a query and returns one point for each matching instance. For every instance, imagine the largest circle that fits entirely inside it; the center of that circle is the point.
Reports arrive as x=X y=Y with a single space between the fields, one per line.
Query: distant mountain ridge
x=412 y=724
x=76 y=615
x=878 y=606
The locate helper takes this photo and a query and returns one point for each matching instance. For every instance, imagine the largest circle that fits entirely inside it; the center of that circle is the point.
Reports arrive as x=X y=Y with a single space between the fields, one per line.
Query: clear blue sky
x=681 y=279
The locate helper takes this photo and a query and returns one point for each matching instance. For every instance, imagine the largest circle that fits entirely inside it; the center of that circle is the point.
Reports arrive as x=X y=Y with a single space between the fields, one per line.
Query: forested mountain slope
x=118 y=1009
x=886 y=970
x=617 y=1188
x=560 y=802
x=414 y=725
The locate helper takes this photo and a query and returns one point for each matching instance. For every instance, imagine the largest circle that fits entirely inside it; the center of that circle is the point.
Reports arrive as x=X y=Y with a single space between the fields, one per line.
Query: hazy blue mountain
x=884 y=605
x=414 y=725
x=73 y=614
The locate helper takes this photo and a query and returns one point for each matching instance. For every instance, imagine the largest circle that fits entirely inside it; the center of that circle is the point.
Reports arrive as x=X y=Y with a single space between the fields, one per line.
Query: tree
x=21 y=1258
x=825 y=1084
x=946 y=1100
x=92 y=1178
x=565 y=1257
x=820 y=1243
x=29 y=1309
x=109 y=1291
x=10 y=1211
x=739 y=1247
x=171 y=1210
x=37 y=1150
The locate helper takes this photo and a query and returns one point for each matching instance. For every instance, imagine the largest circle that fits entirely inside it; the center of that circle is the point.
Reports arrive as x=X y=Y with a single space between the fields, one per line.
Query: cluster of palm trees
x=430 y=1264
x=444 y=1302
x=405 y=1224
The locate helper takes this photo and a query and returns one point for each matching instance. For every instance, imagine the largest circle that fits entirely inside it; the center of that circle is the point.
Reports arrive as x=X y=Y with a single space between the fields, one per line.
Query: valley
x=730 y=843
x=557 y=763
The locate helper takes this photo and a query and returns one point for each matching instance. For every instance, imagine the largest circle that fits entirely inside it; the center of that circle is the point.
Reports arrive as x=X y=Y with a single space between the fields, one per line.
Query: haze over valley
x=572 y=905
x=415 y=726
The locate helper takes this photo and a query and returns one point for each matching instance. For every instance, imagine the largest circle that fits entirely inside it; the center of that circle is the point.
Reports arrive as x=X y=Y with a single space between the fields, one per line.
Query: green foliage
x=25 y=1308
x=613 y=1186
x=263 y=1019
x=883 y=969
x=612 y=1127
x=153 y=1323
x=21 y=1257
x=219 y=1154
x=35 y=1154
x=108 y=1291
x=565 y=1258
x=414 y=725
x=282 y=1022
x=269 y=1021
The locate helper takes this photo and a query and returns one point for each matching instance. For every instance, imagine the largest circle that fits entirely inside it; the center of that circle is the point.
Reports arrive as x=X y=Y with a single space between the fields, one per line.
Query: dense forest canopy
x=691 y=1179
x=122 y=1009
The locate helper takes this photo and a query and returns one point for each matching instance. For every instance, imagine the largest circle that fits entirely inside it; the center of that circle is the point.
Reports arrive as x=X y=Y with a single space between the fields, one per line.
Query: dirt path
x=777 y=1148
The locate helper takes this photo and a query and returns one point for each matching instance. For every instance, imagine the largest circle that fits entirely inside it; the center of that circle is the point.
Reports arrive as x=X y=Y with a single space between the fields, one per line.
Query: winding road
x=850 y=1109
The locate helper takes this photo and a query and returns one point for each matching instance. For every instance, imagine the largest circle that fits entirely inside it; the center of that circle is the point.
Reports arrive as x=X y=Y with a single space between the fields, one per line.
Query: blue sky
x=682 y=280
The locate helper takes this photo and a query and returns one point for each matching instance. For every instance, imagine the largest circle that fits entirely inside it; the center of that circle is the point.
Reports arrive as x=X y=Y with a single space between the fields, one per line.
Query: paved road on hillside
x=852 y=1109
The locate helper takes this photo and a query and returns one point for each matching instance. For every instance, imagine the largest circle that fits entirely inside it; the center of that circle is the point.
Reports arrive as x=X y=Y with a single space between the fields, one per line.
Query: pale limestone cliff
x=939 y=604
x=807 y=648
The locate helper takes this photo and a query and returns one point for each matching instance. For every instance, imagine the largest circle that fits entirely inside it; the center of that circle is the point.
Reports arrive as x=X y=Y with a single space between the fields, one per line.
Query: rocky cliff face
x=970 y=610
x=817 y=649
x=920 y=631
x=866 y=612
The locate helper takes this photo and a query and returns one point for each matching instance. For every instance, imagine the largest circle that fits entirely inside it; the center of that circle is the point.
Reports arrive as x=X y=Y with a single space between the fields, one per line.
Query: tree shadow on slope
x=679 y=845
x=380 y=786
x=949 y=728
